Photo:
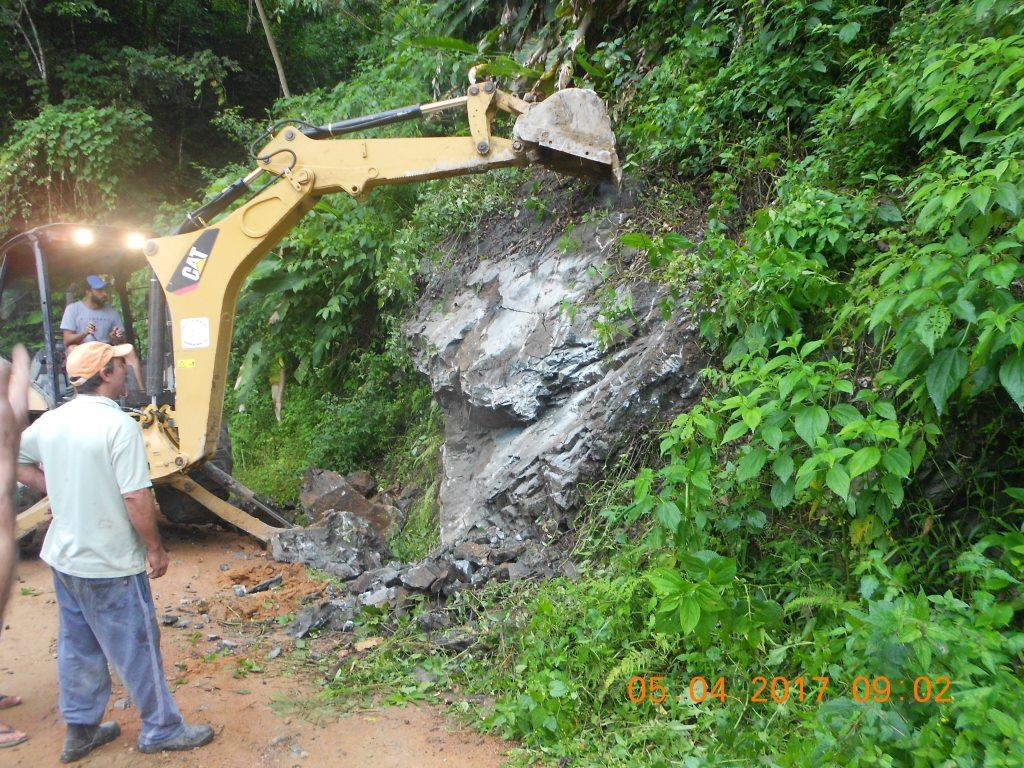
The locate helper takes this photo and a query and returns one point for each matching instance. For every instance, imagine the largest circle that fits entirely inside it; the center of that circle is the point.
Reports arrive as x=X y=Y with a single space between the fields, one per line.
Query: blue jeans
x=112 y=620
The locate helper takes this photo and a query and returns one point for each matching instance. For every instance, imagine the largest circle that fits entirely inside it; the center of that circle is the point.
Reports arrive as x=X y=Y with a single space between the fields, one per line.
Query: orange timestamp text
x=761 y=689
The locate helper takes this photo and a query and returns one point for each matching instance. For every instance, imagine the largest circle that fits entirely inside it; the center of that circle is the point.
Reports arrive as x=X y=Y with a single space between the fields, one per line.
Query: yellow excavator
x=197 y=272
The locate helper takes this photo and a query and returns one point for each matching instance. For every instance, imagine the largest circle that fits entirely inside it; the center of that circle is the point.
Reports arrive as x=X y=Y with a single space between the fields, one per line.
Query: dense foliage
x=845 y=501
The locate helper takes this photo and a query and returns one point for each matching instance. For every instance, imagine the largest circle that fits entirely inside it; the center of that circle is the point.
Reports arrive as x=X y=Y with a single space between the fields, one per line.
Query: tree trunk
x=273 y=48
x=35 y=46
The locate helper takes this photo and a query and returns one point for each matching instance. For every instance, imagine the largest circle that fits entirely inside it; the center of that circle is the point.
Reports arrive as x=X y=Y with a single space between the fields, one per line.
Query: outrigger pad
x=573 y=133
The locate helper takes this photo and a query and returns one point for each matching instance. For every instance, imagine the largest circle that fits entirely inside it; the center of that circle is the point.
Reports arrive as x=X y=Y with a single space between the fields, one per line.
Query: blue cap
x=96 y=282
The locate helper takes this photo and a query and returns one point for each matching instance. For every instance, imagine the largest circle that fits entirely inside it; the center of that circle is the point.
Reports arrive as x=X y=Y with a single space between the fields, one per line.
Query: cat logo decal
x=186 y=276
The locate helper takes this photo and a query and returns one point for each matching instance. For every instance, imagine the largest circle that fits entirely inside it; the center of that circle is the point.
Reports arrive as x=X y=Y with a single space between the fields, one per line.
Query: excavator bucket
x=573 y=134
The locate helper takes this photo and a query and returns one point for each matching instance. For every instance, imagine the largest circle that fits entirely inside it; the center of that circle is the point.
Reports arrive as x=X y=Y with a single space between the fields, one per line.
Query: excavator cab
x=42 y=271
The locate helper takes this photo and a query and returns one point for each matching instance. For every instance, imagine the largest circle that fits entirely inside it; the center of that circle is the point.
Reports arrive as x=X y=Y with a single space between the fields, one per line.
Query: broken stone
x=378 y=597
x=168 y=619
x=452 y=640
x=225 y=567
x=339 y=539
x=363 y=582
x=274 y=652
x=454 y=588
x=239 y=590
x=428 y=622
x=274 y=581
x=508 y=553
x=323 y=490
x=343 y=571
x=123 y=703
x=463 y=568
x=472 y=551
x=423 y=575
x=519 y=571
x=362 y=481
x=332 y=614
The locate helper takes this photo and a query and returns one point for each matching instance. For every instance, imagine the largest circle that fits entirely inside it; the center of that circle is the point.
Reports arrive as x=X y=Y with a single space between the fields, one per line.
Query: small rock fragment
x=274 y=581
x=168 y=619
x=275 y=652
x=239 y=590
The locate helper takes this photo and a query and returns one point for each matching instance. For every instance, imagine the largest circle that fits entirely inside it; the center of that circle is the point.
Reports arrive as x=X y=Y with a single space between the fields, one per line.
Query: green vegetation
x=847 y=499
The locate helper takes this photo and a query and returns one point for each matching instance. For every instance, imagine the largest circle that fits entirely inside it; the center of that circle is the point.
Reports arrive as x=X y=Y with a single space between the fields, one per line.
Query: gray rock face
x=532 y=403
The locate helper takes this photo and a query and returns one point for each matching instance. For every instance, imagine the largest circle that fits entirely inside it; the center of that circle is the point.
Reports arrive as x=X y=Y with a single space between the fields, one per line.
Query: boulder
x=323 y=490
x=363 y=482
x=536 y=394
x=340 y=543
x=423 y=575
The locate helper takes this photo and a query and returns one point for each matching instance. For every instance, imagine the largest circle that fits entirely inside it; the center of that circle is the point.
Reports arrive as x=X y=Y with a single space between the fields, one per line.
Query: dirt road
x=266 y=711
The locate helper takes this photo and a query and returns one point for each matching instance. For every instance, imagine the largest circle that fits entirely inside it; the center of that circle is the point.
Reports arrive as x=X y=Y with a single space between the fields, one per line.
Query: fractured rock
x=340 y=540
x=362 y=481
x=424 y=575
x=534 y=399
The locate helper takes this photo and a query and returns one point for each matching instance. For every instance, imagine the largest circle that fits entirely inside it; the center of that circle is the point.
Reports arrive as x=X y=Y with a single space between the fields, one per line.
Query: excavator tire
x=182 y=509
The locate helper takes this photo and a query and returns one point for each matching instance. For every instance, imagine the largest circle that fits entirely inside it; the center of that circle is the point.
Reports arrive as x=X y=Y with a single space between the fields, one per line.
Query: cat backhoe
x=196 y=273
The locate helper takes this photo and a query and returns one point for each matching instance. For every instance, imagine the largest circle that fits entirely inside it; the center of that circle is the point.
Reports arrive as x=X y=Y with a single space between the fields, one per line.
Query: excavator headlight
x=136 y=241
x=83 y=236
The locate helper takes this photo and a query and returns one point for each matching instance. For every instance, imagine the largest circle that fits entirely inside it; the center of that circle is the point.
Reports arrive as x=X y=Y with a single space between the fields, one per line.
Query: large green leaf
x=944 y=375
x=897 y=461
x=750 y=465
x=932 y=325
x=864 y=459
x=440 y=42
x=689 y=614
x=838 y=479
x=666 y=582
x=810 y=423
x=1011 y=376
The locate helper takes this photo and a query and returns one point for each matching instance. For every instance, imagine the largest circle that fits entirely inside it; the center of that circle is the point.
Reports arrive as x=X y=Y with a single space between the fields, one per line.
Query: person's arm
x=117 y=335
x=132 y=472
x=71 y=338
x=32 y=476
x=13 y=417
x=142 y=514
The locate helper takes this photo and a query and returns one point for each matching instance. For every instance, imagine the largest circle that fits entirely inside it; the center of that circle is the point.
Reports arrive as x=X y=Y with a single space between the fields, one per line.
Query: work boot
x=83 y=739
x=191 y=736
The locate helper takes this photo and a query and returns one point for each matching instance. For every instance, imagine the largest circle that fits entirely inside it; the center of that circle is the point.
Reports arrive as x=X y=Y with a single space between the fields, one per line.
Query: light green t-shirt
x=91 y=452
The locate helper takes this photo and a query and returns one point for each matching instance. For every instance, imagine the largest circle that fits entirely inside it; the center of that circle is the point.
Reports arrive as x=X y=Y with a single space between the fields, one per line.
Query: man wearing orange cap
x=89 y=457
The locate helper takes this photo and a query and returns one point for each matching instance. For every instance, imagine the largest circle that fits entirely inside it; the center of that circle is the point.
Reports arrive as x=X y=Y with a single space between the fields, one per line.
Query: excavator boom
x=201 y=268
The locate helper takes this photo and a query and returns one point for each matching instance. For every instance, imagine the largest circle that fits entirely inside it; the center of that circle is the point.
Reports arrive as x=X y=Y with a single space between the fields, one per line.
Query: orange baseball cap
x=86 y=360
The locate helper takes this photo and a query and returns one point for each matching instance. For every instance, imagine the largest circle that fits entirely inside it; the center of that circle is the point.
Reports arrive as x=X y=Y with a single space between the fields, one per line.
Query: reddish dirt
x=266 y=719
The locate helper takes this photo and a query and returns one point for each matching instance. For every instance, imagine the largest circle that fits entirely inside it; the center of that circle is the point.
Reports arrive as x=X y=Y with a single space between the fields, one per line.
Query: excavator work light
x=83 y=236
x=135 y=240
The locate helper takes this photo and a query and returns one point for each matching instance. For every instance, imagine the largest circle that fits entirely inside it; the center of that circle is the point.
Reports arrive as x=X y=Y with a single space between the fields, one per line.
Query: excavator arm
x=202 y=268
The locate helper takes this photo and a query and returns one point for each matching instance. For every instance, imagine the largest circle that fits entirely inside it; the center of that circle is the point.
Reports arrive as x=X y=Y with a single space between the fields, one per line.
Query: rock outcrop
x=533 y=403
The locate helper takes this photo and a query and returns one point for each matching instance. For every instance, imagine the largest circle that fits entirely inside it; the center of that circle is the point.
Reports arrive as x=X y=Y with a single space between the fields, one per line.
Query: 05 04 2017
x=761 y=689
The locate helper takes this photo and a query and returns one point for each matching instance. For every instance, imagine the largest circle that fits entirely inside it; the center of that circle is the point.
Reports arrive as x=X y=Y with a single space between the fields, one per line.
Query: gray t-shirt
x=78 y=315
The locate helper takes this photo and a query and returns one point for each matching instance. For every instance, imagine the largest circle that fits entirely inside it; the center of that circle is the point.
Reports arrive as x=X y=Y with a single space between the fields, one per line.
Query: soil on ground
x=266 y=712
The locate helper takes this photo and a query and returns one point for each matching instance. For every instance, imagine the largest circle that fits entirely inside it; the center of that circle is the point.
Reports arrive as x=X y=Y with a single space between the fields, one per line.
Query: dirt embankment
x=267 y=711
